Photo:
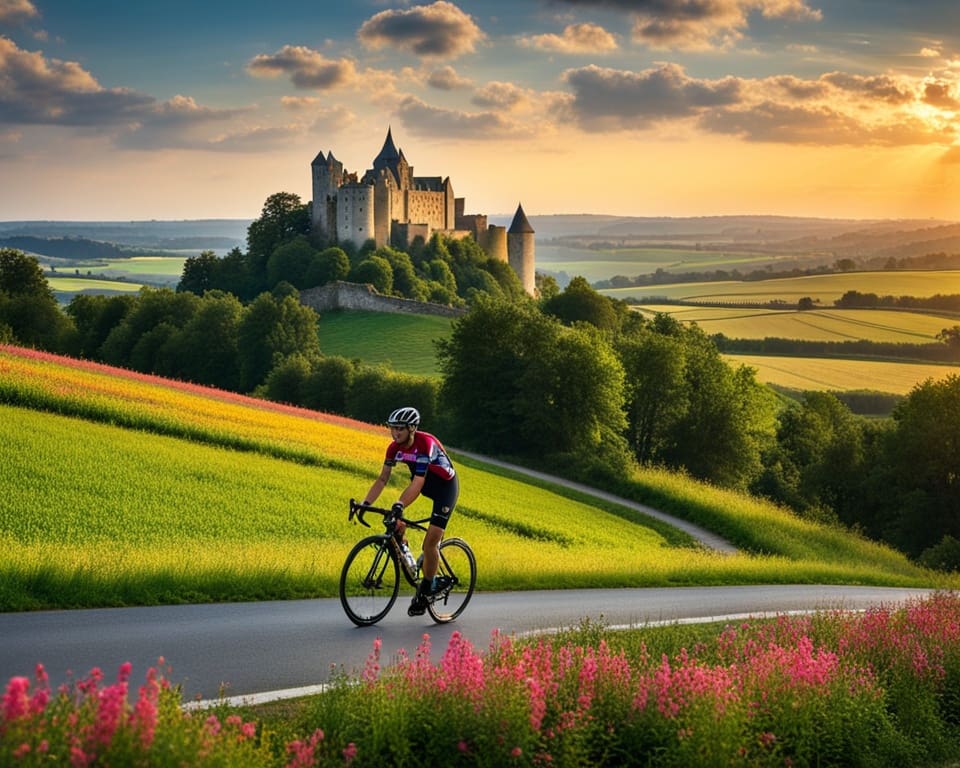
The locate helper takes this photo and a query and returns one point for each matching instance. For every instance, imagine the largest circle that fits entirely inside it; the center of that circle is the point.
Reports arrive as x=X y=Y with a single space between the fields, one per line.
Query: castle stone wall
x=342 y=295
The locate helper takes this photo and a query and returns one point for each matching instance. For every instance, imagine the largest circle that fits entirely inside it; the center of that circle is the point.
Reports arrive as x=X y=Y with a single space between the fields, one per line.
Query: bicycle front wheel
x=370 y=581
x=458 y=572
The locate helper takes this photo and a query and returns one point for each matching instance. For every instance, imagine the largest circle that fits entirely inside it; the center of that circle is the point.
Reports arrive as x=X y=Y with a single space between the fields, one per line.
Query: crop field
x=402 y=342
x=601 y=264
x=124 y=489
x=823 y=289
x=832 y=374
x=73 y=285
x=809 y=325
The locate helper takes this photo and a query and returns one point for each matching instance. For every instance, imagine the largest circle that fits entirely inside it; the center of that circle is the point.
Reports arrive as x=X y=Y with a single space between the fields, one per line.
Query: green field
x=823 y=289
x=123 y=275
x=810 y=325
x=402 y=342
x=142 y=501
x=68 y=286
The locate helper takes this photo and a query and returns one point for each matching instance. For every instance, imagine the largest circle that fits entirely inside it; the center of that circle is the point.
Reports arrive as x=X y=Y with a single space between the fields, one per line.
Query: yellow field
x=91 y=285
x=811 y=373
x=810 y=325
x=824 y=289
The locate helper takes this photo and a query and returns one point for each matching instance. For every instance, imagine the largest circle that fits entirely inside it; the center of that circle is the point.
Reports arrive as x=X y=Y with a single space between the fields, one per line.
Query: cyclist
x=432 y=475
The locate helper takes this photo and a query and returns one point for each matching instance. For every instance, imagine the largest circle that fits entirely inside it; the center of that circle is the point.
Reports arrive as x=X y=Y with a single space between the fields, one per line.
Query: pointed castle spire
x=520 y=225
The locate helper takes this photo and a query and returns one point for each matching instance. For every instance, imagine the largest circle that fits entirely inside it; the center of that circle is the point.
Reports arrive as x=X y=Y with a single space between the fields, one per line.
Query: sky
x=185 y=110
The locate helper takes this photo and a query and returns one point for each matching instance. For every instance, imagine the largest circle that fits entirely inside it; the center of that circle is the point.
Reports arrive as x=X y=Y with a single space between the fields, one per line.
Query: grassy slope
x=188 y=494
x=404 y=342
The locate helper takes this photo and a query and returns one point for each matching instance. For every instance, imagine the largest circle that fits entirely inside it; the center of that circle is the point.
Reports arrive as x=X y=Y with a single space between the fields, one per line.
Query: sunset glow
x=678 y=108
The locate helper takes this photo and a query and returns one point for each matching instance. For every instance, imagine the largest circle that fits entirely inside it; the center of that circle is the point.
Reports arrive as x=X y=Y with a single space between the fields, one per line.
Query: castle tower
x=327 y=176
x=521 y=252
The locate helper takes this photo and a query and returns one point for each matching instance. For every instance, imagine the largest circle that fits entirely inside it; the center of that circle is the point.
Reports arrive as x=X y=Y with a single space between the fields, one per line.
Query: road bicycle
x=370 y=580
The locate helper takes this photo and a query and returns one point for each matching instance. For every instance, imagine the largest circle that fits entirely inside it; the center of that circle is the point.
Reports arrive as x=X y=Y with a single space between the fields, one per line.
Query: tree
x=290 y=262
x=376 y=271
x=200 y=273
x=950 y=336
x=95 y=317
x=21 y=275
x=655 y=394
x=28 y=307
x=206 y=349
x=818 y=463
x=271 y=329
x=154 y=307
x=516 y=380
x=579 y=302
x=282 y=218
x=923 y=455
x=329 y=265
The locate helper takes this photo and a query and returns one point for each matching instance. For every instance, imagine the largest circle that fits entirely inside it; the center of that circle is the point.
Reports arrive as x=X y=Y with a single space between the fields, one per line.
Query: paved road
x=252 y=648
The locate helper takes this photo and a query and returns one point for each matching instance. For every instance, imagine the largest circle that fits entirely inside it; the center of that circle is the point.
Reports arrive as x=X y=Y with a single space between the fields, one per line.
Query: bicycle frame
x=370 y=578
x=390 y=520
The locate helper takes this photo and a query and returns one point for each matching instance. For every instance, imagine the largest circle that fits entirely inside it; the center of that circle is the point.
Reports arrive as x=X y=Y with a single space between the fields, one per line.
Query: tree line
x=572 y=381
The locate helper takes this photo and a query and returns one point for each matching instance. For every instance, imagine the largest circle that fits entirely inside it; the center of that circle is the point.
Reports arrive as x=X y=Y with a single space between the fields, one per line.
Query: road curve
x=242 y=649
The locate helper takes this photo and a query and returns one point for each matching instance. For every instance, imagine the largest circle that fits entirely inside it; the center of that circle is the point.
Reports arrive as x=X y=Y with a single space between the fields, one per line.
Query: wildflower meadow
x=878 y=688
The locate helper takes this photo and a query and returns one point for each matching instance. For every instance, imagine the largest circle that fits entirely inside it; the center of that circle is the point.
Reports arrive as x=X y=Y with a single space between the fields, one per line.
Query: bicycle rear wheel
x=458 y=574
x=369 y=581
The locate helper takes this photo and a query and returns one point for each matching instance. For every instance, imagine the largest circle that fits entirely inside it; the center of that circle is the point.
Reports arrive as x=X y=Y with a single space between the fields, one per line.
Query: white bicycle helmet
x=404 y=417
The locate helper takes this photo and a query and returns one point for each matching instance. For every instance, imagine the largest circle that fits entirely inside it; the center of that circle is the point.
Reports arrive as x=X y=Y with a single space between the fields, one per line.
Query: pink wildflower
x=350 y=752
x=16 y=700
x=304 y=752
x=516 y=752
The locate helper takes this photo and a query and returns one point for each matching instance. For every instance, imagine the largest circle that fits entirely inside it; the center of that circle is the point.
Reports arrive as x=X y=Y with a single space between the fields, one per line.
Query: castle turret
x=521 y=251
x=327 y=176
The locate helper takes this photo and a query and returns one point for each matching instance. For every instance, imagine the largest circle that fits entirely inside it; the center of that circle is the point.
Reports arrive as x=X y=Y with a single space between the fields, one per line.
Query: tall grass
x=164 y=492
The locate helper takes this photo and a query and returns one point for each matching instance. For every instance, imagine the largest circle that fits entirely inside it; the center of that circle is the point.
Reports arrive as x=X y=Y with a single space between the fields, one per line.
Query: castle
x=391 y=206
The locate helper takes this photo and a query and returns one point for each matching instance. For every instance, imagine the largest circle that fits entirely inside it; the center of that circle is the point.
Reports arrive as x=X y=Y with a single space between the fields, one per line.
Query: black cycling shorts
x=444 y=496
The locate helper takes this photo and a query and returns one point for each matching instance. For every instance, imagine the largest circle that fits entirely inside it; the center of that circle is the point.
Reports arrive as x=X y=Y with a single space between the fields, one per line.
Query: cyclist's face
x=401 y=435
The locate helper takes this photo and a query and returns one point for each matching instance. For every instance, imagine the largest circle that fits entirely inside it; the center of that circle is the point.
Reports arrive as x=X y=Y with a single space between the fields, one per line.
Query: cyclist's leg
x=444 y=500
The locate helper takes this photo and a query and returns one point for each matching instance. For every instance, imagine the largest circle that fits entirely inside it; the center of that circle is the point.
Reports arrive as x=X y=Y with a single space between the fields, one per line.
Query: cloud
x=941 y=94
x=447 y=79
x=37 y=90
x=951 y=156
x=698 y=24
x=14 y=12
x=877 y=87
x=424 y=120
x=818 y=125
x=608 y=99
x=306 y=68
x=440 y=30
x=498 y=95
x=576 y=38
x=181 y=123
x=929 y=53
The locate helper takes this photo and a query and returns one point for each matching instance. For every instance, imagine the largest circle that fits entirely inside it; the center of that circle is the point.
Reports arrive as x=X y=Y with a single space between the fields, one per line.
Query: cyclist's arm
x=378 y=485
x=411 y=492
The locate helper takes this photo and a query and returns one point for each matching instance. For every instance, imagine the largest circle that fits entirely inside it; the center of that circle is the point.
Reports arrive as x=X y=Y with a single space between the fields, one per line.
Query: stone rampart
x=341 y=295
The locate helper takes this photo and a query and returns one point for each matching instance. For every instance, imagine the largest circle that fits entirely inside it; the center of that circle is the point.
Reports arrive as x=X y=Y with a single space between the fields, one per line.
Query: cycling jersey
x=427 y=458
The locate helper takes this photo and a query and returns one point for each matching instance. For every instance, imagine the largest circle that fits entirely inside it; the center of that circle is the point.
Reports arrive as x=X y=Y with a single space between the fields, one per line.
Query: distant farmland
x=831 y=374
x=811 y=325
x=823 y=289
